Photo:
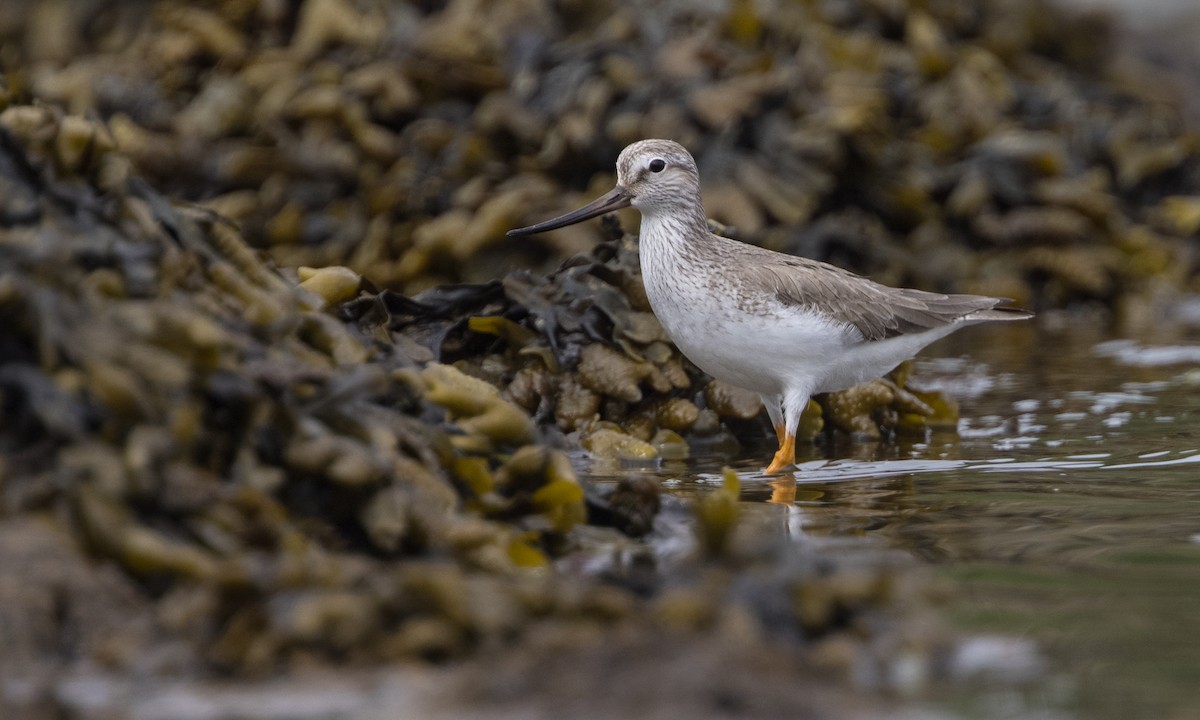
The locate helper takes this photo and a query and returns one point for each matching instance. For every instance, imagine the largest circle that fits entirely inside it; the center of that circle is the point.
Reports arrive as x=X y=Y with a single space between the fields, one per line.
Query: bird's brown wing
x=877 y=311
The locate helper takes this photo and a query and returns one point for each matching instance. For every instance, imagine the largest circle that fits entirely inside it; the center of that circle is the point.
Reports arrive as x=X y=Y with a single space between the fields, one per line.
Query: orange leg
x=780 y=432
x=785 y=457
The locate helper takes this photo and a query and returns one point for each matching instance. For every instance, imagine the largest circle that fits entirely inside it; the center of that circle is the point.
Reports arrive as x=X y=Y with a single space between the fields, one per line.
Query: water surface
x=1066 y=511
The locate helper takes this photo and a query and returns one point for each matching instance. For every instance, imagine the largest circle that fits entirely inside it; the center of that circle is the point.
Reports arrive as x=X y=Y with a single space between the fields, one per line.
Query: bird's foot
x=781 y=463
x=785 y=457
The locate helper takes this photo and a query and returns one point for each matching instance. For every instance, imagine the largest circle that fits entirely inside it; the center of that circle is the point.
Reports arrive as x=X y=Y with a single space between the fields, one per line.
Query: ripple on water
x=1129 y=352
x=817 y=472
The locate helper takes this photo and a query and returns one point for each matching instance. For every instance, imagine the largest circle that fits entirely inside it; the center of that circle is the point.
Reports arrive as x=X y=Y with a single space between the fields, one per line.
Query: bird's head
x=654 y=176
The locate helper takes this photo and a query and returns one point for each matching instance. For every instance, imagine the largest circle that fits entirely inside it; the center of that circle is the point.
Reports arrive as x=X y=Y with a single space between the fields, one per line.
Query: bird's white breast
x=703 y=307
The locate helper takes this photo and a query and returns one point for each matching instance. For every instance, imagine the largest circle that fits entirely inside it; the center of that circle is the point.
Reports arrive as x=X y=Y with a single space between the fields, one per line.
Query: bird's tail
x=1000 y=313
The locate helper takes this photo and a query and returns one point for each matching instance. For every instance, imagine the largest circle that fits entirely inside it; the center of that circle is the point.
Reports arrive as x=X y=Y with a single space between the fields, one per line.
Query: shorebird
x=785 y=327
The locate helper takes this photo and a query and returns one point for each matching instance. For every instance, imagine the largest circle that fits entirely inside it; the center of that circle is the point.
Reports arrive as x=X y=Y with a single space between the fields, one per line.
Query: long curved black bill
x=614 y=200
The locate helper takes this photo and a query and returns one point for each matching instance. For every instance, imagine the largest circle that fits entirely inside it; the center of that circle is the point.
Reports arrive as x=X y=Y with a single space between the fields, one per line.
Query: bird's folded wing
x=877 y=311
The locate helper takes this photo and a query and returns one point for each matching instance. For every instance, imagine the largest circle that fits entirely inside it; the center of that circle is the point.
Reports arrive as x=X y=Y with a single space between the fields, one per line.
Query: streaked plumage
x=783 y=326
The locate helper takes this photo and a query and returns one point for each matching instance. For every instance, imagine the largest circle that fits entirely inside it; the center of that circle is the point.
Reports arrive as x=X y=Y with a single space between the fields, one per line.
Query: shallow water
x=1066 y=511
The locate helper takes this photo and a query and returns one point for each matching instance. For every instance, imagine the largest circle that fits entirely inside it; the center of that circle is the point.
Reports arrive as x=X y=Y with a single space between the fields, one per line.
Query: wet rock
x=608 y=372
x=576 y=404
x=670 y=445
x=609 y=443
x=864 y=410
x=934 y=410
x=676 y=414
x=729 y=401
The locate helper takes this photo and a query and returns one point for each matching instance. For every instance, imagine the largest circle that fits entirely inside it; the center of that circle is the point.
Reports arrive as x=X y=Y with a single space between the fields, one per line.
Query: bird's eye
x=657 y=165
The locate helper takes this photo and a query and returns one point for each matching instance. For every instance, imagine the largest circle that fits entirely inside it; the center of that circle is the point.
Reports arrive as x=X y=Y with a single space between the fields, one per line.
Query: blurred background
x=1012 y=147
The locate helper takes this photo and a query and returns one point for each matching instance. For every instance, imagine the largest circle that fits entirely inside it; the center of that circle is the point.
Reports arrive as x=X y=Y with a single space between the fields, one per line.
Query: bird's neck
x=676 y=260
x=676 y=233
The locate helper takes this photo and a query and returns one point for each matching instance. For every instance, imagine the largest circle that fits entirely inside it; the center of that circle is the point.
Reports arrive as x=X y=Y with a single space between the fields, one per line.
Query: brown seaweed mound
x=205 y=468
